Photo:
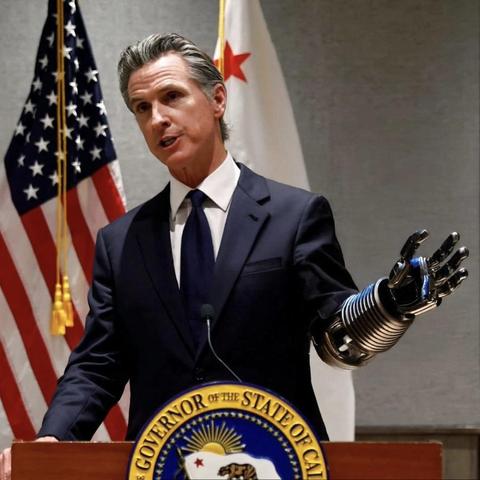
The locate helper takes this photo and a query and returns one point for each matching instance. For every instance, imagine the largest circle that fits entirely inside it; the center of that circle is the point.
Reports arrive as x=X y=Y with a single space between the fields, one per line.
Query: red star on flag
x=199 y=462
x=232 y=63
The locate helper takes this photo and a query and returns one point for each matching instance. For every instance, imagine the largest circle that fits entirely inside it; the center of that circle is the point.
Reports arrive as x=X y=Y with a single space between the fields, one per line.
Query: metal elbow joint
x=362 y=328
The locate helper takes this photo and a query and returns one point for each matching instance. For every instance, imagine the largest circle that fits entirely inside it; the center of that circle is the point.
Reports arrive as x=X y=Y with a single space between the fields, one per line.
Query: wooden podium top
x=108 y=461
x=386 y=461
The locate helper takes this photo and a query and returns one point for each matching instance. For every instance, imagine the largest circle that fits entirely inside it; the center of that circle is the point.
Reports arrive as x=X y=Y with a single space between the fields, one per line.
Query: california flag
x=265 y=138
x=201 y=465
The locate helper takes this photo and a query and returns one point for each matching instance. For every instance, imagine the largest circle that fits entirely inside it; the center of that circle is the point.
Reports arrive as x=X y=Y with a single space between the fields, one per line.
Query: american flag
x=31 y=359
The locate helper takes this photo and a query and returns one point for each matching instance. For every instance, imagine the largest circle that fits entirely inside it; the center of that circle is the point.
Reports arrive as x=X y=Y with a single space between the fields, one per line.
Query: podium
x=108 y=461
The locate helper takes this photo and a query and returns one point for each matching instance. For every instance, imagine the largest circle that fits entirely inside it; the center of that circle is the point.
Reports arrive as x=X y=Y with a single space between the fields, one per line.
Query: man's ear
x=219 y=99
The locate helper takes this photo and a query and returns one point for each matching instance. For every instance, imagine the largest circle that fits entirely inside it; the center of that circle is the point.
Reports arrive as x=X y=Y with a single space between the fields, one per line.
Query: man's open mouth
x=167 y=141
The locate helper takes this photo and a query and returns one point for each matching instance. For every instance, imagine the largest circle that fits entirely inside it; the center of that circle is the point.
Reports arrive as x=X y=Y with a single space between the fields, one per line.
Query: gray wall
x=385 y=95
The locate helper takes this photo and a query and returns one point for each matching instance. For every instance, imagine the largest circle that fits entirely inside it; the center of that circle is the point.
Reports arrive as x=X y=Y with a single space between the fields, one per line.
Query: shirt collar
x=218 y=186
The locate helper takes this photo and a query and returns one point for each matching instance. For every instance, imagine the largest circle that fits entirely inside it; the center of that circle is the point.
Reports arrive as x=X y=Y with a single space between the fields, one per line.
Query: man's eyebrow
x=135 y=99
x=171 y=85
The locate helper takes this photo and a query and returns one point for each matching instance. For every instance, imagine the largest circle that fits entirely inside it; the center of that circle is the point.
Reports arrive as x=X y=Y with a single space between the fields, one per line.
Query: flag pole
x=58 y=319
x=221 y=36
x=62 y=309
x=66 y=296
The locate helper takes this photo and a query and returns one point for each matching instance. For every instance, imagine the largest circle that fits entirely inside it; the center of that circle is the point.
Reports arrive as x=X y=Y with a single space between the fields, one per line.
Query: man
x=263 y=254
x=277 y=262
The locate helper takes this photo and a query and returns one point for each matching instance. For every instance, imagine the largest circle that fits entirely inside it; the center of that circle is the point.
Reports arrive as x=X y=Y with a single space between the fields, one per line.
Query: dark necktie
x=197 y=262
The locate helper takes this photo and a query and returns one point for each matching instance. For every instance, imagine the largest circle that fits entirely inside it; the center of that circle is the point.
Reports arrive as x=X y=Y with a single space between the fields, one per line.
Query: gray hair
x=201 y=67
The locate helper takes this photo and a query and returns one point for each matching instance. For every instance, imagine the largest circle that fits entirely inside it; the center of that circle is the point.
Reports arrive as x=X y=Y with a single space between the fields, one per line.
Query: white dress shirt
x=219 y=187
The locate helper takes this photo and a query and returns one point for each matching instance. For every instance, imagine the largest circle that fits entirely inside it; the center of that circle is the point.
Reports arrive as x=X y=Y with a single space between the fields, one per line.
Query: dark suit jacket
x=279 y=266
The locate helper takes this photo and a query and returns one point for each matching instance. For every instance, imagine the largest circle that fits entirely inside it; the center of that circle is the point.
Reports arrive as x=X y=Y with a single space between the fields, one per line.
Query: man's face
x=179 y=122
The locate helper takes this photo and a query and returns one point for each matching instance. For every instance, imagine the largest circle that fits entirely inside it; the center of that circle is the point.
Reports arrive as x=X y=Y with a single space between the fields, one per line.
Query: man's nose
x=160 y=117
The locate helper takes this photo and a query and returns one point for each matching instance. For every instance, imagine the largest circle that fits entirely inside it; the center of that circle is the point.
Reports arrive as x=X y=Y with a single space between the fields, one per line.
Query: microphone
x=207 y=313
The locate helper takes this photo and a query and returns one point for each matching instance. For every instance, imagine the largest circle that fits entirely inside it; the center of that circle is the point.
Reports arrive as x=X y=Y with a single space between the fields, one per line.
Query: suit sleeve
x=324 y=280
x=95 y=376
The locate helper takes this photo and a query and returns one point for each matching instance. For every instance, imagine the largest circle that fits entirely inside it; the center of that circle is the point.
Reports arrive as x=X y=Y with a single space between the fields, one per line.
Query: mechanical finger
x=444 y=251
x=398 y=273
x=402 y=267
x=442 y=275
x=412 y=243
x=453 y=282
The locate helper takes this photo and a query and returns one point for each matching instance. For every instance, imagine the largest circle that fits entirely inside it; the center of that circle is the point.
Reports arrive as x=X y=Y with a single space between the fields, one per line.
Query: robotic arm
x=373 y=320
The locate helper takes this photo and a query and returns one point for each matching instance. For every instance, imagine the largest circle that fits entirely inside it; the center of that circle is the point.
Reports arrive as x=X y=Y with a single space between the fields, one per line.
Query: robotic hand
x=419 y=284
x=373 y=320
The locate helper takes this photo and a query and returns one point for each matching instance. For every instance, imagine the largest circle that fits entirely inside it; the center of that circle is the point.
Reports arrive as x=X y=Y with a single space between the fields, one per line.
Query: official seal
x=227 y=431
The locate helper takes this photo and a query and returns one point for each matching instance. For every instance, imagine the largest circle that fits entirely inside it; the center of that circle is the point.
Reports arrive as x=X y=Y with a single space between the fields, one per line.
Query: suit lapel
x=245 y=220
x=153 y=236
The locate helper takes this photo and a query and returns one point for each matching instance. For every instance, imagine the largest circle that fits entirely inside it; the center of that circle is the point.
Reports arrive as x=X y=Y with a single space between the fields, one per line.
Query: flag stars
x=66 y=52
x=58 y=75
x=81 y=132
x=36 y=168
x=52 y=98
x=20 y=129
x=95 y=152
x=43 y=62
x=86 y=98
x=76 y=166
x=42 y=145
x=91 y=75
x=71 y=109
x=101 y=108
x=83 y=120
x=68 y=132
x=100 y=129
x=74 y=87
x=29 y=107
x=50 y=39
x=54 y=178
x=233 y=62
x=37 y=84
x=70 y=29
x=31 y=192
x=79 y=141
x=47 y=121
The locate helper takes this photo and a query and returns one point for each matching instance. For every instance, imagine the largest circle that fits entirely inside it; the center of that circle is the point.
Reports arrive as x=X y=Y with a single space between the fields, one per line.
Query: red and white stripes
x=31 y=359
